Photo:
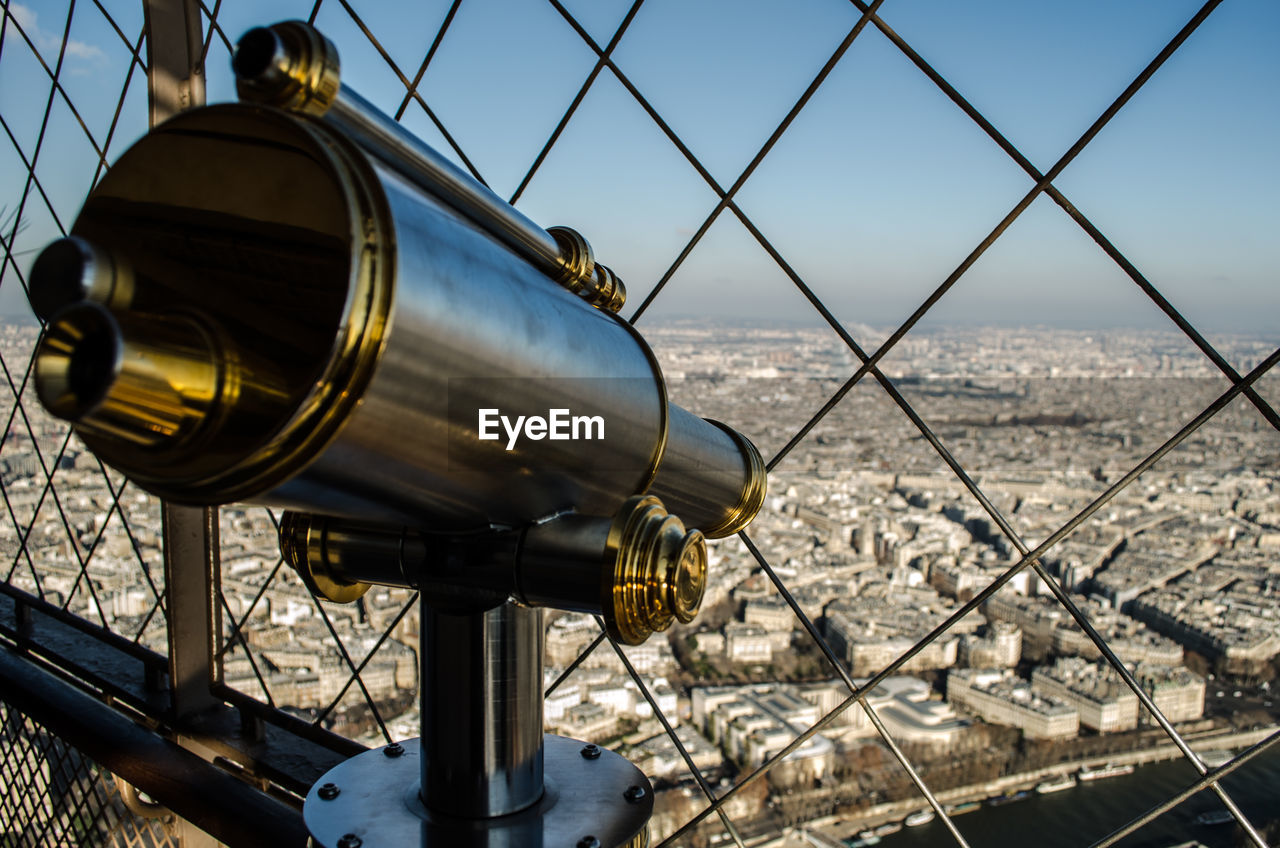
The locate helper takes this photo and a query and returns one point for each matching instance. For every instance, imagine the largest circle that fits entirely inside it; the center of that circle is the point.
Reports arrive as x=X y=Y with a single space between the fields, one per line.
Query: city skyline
x=1177 y=576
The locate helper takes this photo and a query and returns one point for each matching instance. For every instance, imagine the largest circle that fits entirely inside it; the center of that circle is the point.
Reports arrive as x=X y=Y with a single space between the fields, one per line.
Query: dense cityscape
x=876 y=540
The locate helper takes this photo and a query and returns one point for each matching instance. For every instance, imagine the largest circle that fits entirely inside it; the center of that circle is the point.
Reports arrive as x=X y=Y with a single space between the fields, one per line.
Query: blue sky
x=874 y=195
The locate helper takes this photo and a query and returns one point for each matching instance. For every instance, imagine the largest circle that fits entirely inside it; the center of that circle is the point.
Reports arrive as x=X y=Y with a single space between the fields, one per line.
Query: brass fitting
x=304 y=544
x=157 y=388
x=659 y=571
x=640 y=570
x=289 y=65
x=582 y=275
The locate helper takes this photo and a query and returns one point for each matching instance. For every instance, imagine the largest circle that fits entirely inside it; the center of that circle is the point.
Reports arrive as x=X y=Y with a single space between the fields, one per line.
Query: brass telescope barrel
x=351 y=343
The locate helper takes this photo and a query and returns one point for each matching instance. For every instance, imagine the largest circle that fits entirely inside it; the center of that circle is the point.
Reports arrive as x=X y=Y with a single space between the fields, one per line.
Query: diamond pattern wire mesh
x=77 y=534
x=359 y=638
x=346 y=680
x=51 y=795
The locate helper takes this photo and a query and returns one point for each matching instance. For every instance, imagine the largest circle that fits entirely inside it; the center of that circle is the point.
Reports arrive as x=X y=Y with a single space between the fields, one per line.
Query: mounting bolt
x=395 y=749
x=588 y=842
x=590 y=751
x=634 y=794
x=350 y=840
x=328 y=792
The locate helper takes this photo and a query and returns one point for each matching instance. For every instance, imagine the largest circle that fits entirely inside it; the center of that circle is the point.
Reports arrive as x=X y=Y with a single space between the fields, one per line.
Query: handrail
x=226 y=808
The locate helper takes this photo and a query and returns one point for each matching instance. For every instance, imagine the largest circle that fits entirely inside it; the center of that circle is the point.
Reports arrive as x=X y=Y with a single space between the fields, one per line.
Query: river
x=1081 y=816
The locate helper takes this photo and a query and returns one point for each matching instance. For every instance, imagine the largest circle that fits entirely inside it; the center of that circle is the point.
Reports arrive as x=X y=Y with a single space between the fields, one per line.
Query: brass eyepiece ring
x=302 y=544
x=659 y=571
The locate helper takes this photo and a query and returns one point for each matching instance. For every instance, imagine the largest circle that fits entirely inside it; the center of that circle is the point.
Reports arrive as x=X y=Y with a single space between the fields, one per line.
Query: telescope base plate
x=589 y=792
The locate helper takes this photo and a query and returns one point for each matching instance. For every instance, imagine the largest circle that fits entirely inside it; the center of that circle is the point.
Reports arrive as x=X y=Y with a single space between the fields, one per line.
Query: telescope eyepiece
x=151 y=388
x=71 y=270
x=260 y=56
x=80 y=357
x=152 y=384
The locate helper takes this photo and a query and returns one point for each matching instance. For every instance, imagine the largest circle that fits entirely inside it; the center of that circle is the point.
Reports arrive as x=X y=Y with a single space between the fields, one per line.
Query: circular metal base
x=371 y=801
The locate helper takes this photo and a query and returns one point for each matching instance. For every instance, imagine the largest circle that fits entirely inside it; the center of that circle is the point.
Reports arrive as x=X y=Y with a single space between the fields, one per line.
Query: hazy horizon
x=667 y=320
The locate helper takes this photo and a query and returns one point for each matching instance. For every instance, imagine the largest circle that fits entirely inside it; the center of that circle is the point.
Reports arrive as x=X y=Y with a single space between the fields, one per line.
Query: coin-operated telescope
x=292 y=301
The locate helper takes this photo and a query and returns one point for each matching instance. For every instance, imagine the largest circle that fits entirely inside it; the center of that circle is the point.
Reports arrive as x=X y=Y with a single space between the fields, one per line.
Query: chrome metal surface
x=380 y=136
x=476 y=328
x=378 y=804
x=391 y=325
x=339 y=561
x=229 y=218
x=481 y=698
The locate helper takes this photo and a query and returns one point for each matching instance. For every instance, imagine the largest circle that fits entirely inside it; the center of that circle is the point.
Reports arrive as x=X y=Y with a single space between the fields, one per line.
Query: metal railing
x=221 y=634
x=54 y=795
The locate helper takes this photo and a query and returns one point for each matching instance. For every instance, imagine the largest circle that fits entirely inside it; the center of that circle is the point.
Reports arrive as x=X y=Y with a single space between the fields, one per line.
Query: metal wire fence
x=51 y=794
x=78 y=534
x=54 y=534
